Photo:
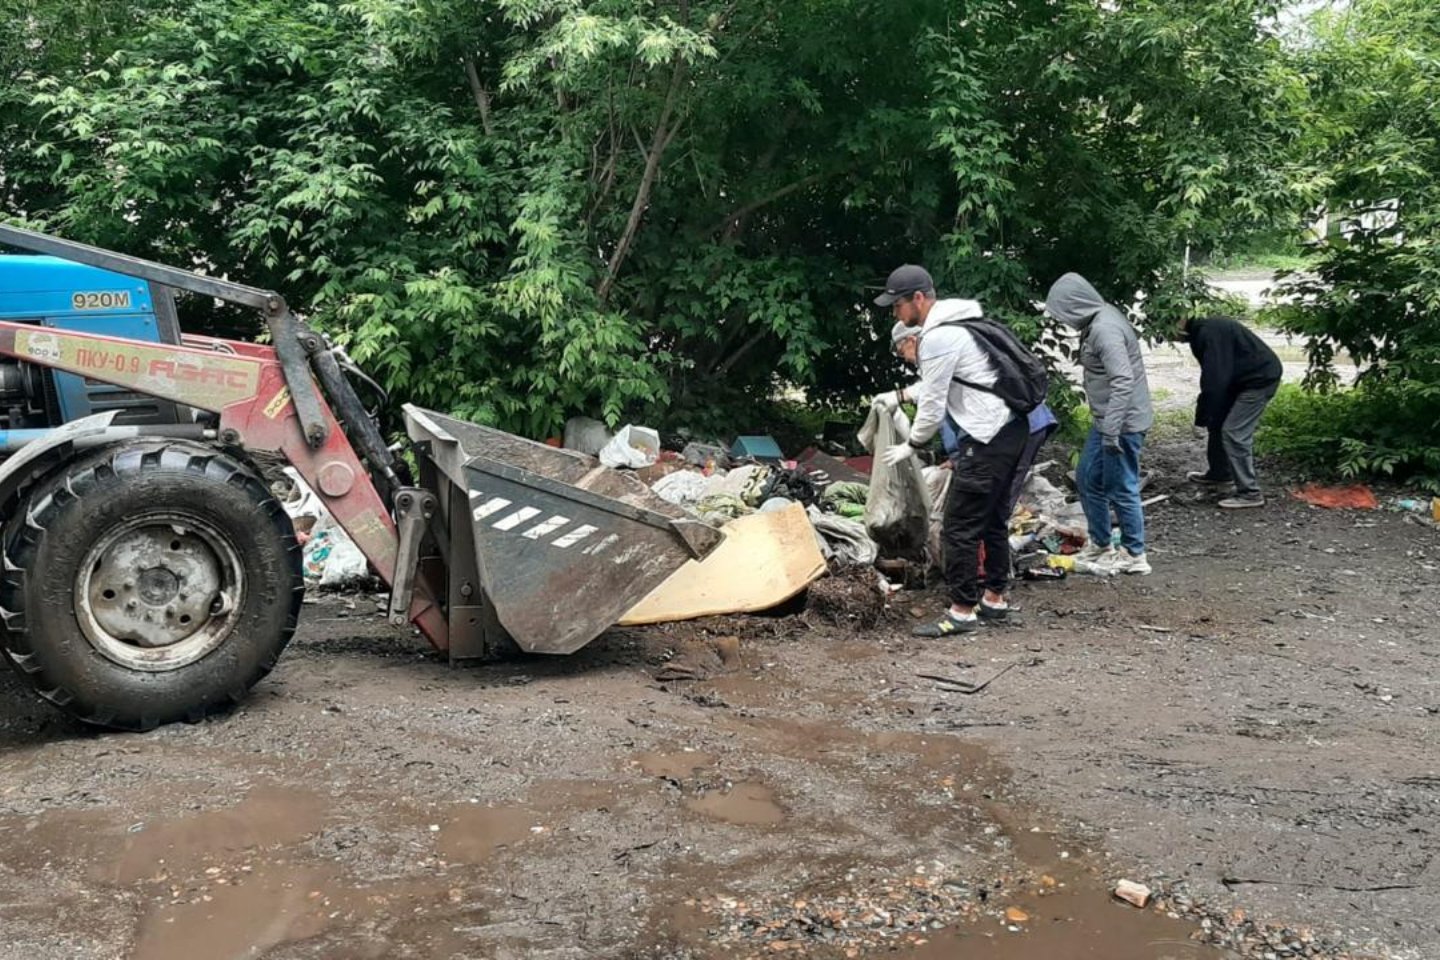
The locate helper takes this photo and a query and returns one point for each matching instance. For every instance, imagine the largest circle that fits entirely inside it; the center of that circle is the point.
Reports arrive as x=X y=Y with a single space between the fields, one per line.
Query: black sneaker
x=947 y=626
x=1201 y=476
x=990 y=612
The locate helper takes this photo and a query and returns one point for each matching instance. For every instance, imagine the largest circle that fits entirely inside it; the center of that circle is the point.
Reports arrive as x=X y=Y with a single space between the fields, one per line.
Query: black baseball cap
x=904 y=281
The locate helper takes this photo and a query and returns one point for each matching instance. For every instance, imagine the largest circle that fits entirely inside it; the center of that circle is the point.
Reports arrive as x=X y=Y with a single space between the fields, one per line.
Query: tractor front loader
x=150 y=575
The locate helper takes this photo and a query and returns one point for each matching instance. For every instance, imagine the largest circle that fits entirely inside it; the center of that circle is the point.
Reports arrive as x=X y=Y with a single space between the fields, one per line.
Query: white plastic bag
x=632 y=447
x=897 y=509
x=305 y=508
x=682 y=488
x=302 y=502
x=331 y=557
x=1048 y=502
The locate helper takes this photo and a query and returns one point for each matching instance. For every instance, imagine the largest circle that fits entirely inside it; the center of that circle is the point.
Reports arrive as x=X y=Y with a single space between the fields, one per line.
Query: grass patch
x=1382 y=431
x=1171 y=425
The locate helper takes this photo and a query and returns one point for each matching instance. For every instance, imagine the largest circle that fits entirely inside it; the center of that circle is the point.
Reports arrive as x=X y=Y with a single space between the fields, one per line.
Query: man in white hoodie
x=991 y=440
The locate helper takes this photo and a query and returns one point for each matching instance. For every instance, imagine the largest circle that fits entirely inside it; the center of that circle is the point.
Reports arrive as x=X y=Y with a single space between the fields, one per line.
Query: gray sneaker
x=1126 y=562
x=1090 y=553
x=1243 y=502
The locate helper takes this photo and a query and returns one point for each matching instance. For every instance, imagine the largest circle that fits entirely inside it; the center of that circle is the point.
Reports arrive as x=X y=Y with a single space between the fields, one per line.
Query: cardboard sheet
x=765 y=560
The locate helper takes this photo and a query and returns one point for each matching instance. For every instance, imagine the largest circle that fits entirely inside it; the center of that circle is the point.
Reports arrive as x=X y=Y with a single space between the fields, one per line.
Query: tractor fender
x=40 y=456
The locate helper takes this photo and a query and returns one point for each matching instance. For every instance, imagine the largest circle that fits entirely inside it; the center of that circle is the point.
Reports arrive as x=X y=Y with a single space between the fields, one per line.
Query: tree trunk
x=664 y=133
x=482 y=96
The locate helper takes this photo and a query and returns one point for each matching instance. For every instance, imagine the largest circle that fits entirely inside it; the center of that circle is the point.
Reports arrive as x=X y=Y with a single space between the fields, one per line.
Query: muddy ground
x=1252 y=730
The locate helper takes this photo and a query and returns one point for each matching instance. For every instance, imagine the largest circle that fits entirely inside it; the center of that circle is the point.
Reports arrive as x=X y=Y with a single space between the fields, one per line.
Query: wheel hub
x=156 y=592
x=158 y=586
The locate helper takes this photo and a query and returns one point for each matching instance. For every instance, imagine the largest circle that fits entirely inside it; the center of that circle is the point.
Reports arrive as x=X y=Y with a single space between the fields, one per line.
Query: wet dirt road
x=1252 y=730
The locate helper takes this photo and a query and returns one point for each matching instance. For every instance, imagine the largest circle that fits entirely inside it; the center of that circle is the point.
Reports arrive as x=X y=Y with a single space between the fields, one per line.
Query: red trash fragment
x=1354 y=497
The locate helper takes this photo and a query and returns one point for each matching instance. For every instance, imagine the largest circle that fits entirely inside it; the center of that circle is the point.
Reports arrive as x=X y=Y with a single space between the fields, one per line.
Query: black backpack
x=1022 y=381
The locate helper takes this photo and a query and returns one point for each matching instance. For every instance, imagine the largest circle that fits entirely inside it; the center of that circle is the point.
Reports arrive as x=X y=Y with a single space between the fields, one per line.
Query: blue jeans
x=1112 y=480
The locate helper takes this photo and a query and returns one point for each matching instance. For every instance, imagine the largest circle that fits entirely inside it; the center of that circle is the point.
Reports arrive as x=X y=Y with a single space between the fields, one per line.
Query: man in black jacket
x=1239 y=375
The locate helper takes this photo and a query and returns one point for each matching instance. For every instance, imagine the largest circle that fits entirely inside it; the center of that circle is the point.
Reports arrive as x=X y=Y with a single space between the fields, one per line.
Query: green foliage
x=1266 y=250
x=521 y=210
x=1374 y=72
x=1355 y=434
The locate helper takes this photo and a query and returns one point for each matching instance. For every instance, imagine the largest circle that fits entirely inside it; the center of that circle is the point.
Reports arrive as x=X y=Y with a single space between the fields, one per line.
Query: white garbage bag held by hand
x=897 y=454
x=887 y=402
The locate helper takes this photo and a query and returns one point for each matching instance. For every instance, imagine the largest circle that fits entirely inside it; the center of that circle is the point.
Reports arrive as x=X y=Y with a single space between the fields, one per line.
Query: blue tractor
x=147 y=572
x=53 y=293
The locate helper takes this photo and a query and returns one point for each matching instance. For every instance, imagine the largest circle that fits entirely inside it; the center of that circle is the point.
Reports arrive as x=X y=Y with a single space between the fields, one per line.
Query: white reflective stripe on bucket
x=602 y=546
x=493 y=505
x=546 y=528
x=515 y=519
x=575 y=536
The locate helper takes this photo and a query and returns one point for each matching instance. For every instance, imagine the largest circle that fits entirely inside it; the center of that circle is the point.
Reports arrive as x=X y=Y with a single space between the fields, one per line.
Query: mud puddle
x=122 y=846
x=241 y=918
x=233 y=882
x=935 y=861
x=1063 y=908
x=244 y=917
x=1086 y=926
x=474 y=834
x=672 y=764
x=746 y=804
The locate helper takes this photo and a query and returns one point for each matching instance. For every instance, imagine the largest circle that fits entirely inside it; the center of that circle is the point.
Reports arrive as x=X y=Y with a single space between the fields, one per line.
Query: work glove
x=1111 y=442
x=887 y=402
x=897 y=453
x=1202 y=433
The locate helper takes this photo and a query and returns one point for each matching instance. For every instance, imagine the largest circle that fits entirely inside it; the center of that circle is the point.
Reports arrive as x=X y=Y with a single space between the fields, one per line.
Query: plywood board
x=766 y=559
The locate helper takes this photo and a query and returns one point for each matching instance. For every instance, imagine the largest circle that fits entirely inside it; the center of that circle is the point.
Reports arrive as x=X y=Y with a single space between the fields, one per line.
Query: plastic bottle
x=1094 y=569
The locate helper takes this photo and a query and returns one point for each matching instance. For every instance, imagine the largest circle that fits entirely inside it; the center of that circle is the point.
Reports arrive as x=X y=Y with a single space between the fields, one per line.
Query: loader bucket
x=563 y=546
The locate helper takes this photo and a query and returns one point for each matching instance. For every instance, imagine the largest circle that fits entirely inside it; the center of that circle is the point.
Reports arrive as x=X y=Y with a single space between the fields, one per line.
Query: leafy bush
x=1356 y=434
x=1375 y=290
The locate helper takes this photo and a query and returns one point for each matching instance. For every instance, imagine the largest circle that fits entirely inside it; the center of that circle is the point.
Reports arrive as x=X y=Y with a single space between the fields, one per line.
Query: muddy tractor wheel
x=150 y=583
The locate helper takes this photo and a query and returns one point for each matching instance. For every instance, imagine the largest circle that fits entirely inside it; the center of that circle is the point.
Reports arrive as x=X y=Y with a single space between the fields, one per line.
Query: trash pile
x=1046 y=531
x=862 y=513
x=789 y=520
x=331 y=559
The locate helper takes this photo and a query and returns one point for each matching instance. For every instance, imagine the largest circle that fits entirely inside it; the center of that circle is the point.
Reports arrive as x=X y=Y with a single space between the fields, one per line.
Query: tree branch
x=482 y=96
x=740 y=351
x=734 y=218
x=664 y=133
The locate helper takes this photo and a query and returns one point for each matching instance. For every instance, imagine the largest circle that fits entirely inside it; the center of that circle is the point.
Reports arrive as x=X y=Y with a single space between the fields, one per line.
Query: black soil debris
x=851 y=598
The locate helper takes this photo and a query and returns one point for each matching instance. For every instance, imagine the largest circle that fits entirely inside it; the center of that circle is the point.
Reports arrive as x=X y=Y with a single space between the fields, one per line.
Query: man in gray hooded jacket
x=1119 y=396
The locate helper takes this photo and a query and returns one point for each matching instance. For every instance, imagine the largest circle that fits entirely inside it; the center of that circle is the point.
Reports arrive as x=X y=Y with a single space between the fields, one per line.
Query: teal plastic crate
x=758 y=448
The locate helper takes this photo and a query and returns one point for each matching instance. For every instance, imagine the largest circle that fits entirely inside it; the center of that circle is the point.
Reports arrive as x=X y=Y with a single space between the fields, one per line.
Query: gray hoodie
x=1115 y=382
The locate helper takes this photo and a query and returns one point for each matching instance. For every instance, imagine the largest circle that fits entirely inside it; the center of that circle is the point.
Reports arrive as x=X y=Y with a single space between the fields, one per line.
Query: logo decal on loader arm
x=207 y=380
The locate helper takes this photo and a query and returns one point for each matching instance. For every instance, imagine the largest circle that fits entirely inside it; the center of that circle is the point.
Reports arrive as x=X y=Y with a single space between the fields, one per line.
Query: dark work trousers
x=1231 y=449
x=976 y=511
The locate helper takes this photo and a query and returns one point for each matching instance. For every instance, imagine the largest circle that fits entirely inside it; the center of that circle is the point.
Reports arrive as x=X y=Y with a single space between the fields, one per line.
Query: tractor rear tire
x=148 y=583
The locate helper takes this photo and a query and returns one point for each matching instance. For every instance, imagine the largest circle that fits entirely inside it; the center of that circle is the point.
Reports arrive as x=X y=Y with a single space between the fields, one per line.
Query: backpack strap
x=961 y=380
